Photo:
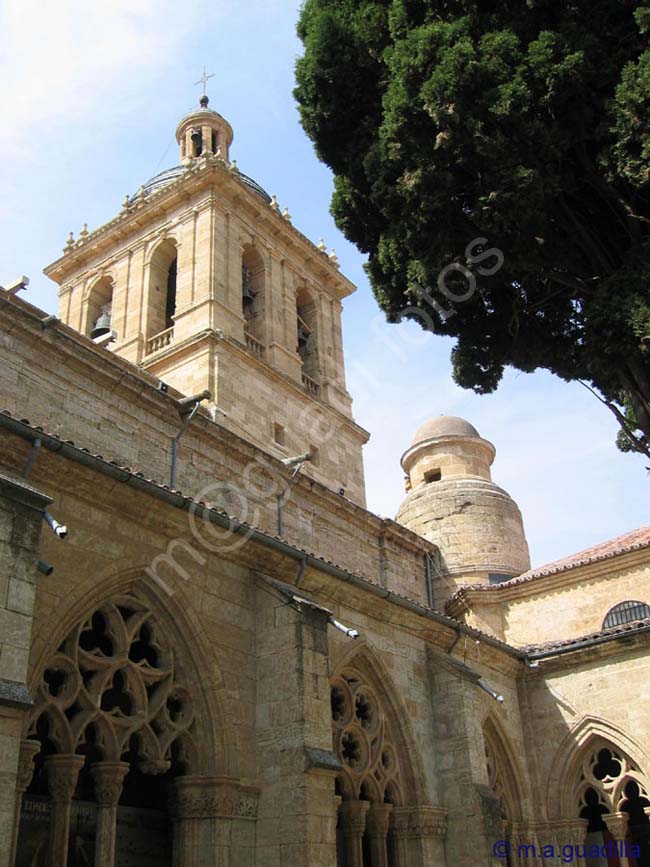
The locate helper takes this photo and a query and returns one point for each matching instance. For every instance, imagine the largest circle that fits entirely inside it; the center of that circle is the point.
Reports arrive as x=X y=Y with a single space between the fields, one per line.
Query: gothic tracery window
x=111 y=693
x=611 y=783
x=363 y=743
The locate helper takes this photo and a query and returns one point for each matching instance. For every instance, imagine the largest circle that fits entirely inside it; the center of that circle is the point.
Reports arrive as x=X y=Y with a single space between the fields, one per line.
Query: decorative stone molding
x=28 y=751
x=213 y=797
x=419 y=822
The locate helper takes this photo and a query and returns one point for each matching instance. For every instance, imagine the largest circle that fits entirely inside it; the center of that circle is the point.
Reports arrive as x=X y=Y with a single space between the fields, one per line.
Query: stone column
x=617 y=827
x=353 y=823
x=108 y=778
x=62 y=773
x=377 y=822
x=21 y=520
x=28 y=751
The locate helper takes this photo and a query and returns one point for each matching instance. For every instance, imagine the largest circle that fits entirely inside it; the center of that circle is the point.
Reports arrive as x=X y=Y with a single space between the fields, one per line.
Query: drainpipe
x=188 y=409
x=427 y=571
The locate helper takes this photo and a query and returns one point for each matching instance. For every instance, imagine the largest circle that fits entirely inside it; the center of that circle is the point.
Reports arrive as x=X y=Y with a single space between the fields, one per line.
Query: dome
x=443 y=426
x=170 y=175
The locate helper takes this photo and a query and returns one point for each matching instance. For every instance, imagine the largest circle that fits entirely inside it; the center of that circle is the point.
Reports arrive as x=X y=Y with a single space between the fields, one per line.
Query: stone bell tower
x=202 y=281
x=453 y=502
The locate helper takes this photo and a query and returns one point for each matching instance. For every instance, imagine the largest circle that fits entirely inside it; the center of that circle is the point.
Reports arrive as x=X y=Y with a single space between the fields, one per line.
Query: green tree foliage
x=524 y=123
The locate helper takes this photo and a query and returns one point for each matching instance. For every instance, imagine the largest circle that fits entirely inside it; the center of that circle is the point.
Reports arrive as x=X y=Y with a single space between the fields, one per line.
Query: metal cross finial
x=205 y=78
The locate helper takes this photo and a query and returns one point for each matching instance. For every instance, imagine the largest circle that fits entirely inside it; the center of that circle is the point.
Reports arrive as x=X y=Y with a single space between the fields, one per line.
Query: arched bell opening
x=99 y=309
x=307 y=334
x=161 y=297
x=113 y=729
x=253 y=285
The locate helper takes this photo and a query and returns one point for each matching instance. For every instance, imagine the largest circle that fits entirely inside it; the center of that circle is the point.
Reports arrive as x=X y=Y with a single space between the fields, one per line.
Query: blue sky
x=90 y=99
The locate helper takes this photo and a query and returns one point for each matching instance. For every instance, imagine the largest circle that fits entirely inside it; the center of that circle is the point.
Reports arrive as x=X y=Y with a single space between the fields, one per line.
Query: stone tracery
x=362 y=742
x=111 y=690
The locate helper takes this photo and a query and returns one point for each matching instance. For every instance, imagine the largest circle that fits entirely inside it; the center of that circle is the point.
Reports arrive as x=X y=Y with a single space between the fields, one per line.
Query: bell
x=102 y=325
x=247 y=295
x=303 y=336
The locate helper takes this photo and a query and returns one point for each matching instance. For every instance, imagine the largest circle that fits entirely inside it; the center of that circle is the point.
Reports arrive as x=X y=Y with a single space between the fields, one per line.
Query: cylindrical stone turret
x=453 y=502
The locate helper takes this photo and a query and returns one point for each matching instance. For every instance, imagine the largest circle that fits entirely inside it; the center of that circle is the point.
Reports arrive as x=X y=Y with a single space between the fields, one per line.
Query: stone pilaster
x=293 y=731
x=62 y=774
x=352 y=816
x=21 y=519
x=108 y=778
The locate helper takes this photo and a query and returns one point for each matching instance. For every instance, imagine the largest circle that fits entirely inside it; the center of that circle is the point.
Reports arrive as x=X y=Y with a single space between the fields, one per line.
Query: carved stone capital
x=353 y=817
x=616 y=824
x=28 y=751
x=419 y=822
x=378 y=819
x=570 y=831
x=108 y=778
x=62 y=773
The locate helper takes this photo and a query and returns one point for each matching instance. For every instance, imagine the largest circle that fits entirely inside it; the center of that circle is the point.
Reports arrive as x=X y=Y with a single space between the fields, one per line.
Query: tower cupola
x=203 y=131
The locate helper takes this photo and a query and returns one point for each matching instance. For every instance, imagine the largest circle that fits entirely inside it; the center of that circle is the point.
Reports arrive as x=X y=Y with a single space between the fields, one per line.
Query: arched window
x=161 y=305
x=252 y=294
x=626 y=612
x=612 y=787
x=370 y=784
x=113 y=714
x=100 y=307
x=306 y=336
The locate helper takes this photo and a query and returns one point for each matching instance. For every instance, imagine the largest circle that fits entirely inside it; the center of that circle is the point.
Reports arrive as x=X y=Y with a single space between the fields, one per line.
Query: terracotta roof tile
x=612 y=631
x=634 y=540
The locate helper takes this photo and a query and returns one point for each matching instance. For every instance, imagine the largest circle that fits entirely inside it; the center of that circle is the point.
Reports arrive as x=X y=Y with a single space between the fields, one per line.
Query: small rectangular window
x=432 y=476
x=279 y=434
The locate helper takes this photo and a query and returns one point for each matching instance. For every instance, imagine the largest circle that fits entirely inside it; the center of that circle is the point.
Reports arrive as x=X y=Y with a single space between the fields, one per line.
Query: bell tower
x=201 y=280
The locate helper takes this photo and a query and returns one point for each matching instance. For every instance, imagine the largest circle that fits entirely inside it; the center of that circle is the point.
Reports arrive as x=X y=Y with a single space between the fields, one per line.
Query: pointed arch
x=216 y=738
x=505 y=772
x=408 y=784
x=587 y=735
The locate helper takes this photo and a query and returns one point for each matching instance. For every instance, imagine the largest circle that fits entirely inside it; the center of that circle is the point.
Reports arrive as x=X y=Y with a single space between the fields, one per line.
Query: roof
x=162 y=179
x=444 y=425
x=634 y=540
x=601 y=635
x=68 y=449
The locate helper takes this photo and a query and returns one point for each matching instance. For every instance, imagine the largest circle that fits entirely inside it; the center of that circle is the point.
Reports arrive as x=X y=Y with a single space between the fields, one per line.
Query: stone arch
x=217 y=731
x=253 y=294
x=504 y=772
x=98 y=303
x=307 y=329
x=361 y=660
x=79 y=747
x=161 y=267
x=587 y=736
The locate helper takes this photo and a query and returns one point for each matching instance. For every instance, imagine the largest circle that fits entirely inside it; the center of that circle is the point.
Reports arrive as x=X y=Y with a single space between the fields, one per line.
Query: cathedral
x=211 y=653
